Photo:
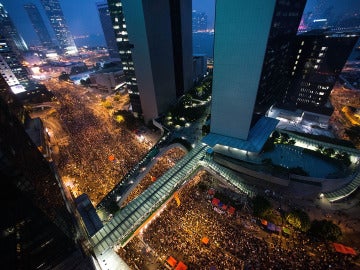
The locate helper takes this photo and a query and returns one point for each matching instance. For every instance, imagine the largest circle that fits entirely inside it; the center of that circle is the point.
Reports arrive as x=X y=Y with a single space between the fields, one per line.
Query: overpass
x=126 y=221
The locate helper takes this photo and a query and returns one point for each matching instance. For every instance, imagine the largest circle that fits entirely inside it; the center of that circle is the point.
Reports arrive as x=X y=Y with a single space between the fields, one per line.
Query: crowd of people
x=93 y=138
x=163 y=163
x=233 y=244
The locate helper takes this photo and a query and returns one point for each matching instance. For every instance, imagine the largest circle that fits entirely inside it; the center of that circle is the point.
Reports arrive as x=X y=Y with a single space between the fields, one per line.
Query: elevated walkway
x=344 y=191
x=129 y=219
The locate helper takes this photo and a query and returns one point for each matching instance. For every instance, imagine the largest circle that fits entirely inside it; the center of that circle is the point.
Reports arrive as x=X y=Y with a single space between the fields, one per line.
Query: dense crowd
x=93 y=138
x=163 y=163
x=236 y=242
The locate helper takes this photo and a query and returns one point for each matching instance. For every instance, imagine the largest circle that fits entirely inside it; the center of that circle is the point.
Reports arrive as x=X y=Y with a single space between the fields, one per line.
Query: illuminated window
x=323 y=48
x=302 y=43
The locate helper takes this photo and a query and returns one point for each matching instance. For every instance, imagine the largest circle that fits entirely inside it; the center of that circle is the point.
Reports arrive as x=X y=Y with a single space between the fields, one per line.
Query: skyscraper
x=39 y=25
x=162 y=53
x=124 y=48
x=275 y=75
x=57 y=21
x=251 y=61
x=11 y=69
x=10 y=33
x=108 y=30
x=318 y=60
x=239 y=51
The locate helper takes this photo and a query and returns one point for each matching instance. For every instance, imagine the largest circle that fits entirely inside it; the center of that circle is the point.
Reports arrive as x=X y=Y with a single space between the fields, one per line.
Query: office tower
x=57 y=21
x=162 y=53
x=199 y=21
x=39 y=25
x=319 y=57
x=251 y=61
x=124 y=48
x=239 y=51
x=108 y=30
x=275 y=76
x=10 y=33
x=11 y=69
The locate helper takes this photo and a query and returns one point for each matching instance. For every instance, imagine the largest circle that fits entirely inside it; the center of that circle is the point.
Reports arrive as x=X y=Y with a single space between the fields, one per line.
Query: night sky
x=83 y=19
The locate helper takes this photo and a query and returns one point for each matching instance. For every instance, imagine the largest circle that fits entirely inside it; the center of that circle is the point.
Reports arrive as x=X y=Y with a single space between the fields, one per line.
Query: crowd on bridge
x=163 y=163
x=179 y=231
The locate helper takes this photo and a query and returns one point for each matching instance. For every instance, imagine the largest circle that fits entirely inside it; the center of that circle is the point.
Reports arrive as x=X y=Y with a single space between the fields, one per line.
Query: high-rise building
x=124 y=48
x=199 y=21
x=251 y=61
x=57 y=21
x=11 y=69
x=318 y=60
x=38 y=230
x=162 y=51
x=10 y=33
x=39 y=25
x=275 y=75
x=108 y=30
x=239 y=53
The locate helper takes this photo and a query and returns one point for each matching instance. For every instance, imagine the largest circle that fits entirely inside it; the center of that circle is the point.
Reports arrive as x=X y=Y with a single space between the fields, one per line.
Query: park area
x=209 y=225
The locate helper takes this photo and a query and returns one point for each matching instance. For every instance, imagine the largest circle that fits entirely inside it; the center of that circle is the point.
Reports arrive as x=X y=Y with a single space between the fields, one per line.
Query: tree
x=64 y=77
x=329 y=152
x=299 y=219
x=325 y=229
x=320 y=148
x=261 y=206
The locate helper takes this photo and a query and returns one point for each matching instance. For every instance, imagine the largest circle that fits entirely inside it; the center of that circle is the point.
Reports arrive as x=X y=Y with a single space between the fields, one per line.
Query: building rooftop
x=257 y=137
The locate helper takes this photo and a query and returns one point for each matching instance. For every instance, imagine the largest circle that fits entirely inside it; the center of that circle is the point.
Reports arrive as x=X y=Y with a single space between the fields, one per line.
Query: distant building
x=124 y=48
x=108 y=30
x=199 y=66
x=317 y=63
x=39 y=25
x=199 y=21
x=107 y=79
x=162 y=52
x=10 y=33
x=57 y=21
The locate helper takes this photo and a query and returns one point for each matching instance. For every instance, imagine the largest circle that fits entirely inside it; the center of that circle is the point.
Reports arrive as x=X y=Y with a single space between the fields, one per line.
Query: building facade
x=239 y=52
x=124 y=48
x=108 y=30
x=11 y=69
x=276 y=71
x=39 y=25
x=162 y=53
x=58 y=23
x=10 y=33
x=38 y=230
x=318 y=59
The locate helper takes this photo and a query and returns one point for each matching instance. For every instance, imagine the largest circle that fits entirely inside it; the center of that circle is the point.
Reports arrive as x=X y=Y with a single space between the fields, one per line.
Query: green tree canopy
x=298 y=219
x=325 y=229
x=261 y=206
